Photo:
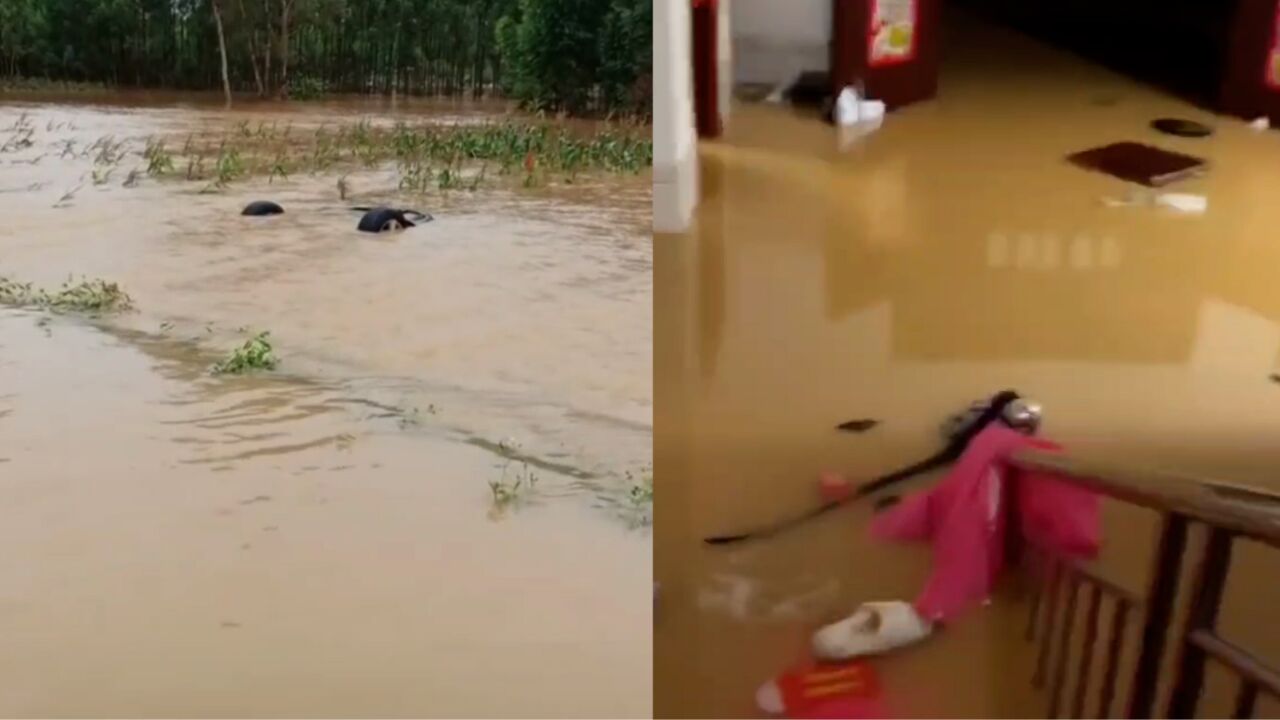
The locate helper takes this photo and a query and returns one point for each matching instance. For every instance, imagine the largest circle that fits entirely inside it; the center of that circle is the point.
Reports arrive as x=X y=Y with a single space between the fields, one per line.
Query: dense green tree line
x=583 y=56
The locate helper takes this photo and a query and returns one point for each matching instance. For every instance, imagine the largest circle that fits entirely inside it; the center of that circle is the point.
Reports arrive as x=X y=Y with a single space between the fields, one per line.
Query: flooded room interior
x=325 y=360
x=885 y=270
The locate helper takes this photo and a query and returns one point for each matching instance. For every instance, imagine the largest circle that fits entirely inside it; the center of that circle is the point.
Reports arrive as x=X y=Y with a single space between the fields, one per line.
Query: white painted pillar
x=724 y=64
x=675 y=164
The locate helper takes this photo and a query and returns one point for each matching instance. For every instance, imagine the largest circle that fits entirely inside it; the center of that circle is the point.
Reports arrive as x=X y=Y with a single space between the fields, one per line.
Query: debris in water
x=810 y=689
x=1182 y=128
x=86 y=296
x=858 y=426
x=229 y=624
x=834 y=487
x=1139 y=163
x=886 y=502
x=852 y=109
x=1133 y=199
x=255 y=354
x=811 y=88
x=1184 y=202
x=256 y=499
x=262 y=207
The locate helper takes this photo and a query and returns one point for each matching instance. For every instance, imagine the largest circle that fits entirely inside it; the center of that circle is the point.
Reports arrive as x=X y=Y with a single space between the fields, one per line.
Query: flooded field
x=899 y=276
x=321 y=540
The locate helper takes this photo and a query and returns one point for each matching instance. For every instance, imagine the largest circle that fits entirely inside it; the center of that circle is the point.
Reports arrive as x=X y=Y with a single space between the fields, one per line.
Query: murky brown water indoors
x=303 y=544
x=951 y=254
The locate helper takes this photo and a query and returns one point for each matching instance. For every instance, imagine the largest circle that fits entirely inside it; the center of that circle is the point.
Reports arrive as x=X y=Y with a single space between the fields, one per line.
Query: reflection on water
x=317 y=541
x=948 y=255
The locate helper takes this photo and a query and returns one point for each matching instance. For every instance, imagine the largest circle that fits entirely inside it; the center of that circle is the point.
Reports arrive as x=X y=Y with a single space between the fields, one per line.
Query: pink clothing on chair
x=964 y=518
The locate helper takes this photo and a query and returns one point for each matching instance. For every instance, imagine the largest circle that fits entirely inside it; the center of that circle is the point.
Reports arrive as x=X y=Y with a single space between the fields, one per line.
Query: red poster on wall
x=892 y=35
x=1273 y=53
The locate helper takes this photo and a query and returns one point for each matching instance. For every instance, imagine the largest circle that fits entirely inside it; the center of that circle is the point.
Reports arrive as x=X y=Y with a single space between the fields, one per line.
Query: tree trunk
x=285 y=7
x=222 y=51
x=253 y=52
x=269 y=79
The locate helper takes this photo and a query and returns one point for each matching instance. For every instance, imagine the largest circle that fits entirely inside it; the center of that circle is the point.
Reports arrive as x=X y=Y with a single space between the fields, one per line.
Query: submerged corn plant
x=256 y=354
x=430 y=157
x=159 y=161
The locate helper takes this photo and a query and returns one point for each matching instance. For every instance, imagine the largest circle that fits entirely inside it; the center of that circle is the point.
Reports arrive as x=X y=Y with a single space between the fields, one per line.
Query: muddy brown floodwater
x=951 y=254
x=318 y=541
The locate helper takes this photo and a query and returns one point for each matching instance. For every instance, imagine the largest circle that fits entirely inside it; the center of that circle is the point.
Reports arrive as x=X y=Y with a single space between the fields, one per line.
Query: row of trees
x=582 y=56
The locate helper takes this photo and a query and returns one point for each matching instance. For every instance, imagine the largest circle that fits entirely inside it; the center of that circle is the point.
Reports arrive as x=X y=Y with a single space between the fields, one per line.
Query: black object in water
x=1182 y=128
x=858 y=426
x=382 y=219
x=262 y=207
x=811 y=88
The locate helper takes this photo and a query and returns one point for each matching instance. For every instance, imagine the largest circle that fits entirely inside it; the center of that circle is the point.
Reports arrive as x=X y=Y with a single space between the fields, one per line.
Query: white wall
x=674 y=142
x=774 y=40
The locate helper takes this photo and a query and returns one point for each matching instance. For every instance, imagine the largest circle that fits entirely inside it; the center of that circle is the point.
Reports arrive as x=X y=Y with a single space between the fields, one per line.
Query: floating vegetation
x=511 y=489
x=640 y=498
x=256 y=354
x=87 y=296
x=514 y=489
x=413 y=416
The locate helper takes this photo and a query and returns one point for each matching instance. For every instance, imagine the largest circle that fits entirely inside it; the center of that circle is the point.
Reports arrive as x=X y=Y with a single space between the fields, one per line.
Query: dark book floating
x=1182 y=128
x=858 y=426
x=1139 y=163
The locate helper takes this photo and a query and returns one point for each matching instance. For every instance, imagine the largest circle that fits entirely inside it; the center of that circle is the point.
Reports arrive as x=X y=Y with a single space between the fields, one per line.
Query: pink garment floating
x=964 y=518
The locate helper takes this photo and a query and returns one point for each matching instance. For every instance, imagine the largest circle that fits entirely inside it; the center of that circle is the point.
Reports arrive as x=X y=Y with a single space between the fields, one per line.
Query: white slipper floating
x=769 y=698
x=874 y=628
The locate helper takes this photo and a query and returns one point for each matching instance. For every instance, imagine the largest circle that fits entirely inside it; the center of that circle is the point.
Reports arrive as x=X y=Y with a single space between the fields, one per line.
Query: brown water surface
x=899 y=276
x=319 y=541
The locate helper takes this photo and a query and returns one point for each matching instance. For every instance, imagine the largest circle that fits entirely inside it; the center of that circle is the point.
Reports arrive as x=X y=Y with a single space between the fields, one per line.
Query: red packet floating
x=831 y=690
x=834 y=487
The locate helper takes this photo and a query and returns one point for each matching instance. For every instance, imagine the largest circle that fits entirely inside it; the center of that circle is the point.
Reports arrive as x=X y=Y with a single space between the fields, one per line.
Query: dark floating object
x=262 y=207
x=812 y=88
x=1275 y=377
x=383 y=219
x=1105 y=100
x=1182 y=128
x=1139 y=163
x=886 y=502
x=858 y=426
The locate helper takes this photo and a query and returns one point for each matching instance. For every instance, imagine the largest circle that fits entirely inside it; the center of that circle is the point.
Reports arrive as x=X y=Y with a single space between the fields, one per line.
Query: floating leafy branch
x=256 y=354
x=86 y=296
